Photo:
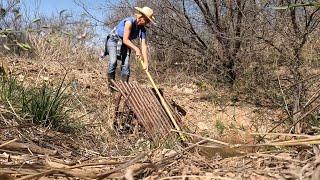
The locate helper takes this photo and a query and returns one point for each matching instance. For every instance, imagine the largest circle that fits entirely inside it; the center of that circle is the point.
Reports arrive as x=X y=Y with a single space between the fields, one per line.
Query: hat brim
x=152 y=18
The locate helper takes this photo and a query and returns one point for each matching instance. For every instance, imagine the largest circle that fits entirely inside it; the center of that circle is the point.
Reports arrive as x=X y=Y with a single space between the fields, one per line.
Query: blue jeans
x=124 y=56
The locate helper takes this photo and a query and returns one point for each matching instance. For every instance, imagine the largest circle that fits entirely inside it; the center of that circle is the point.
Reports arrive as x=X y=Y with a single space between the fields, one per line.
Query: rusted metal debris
x=148 y=110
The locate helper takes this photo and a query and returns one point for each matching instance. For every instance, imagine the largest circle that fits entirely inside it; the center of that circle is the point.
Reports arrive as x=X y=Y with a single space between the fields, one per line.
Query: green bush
x=220 y=126
x=9 y=88
x=47 y=105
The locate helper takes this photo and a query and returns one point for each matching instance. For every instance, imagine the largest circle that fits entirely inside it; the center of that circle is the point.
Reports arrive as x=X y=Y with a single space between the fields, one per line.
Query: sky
x=51 y=7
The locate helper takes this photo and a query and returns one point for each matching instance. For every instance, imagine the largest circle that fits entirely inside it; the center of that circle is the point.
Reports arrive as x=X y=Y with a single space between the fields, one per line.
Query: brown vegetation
x=246 y=74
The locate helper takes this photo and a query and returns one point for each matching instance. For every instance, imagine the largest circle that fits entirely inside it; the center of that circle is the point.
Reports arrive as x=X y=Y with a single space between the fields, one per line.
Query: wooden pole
x=163 y=102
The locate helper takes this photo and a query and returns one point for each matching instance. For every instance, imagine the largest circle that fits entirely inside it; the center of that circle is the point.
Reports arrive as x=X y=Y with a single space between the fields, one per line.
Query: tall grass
x=9 y=88
x=46 y=105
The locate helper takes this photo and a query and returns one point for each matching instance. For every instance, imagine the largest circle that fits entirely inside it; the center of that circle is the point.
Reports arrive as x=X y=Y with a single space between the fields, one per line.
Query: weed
x=171 y=143
x=205 y=133
x=220 y=126
x=70 y=127
x=242 y=128
x=314 y=120
x=46 y=106
x=9 y=88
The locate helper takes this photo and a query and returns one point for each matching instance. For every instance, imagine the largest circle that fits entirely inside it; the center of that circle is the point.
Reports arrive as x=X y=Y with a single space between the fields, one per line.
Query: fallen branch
x=32 y=147
x=7 y=143
x=84 y=175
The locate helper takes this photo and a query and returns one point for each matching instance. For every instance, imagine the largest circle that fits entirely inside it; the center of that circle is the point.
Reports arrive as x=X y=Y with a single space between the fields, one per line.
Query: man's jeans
x=123 y=55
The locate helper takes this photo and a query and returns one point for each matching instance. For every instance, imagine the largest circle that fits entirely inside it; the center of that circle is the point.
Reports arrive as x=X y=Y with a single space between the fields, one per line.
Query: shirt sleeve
x=128 y=20
x=143 y=33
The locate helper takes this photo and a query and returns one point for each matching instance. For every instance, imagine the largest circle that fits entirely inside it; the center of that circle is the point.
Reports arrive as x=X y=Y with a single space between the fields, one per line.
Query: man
x=119 y=43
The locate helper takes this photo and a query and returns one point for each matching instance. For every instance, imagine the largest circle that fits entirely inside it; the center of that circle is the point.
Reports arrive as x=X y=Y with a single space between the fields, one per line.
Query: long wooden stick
x=163 y=102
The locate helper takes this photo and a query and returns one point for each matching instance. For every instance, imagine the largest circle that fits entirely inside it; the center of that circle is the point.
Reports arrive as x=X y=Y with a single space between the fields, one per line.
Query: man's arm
x=144 y=50
x=126 y=40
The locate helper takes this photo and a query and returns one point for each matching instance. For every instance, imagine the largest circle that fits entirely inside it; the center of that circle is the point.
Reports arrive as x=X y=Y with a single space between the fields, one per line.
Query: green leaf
x=36 y=20
x=24 y=46
x=67 y=33
x=6 y=47
x=18 y=16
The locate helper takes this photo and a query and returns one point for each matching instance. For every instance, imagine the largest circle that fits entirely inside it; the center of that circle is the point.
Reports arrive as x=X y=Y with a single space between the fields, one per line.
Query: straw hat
x=148 y=12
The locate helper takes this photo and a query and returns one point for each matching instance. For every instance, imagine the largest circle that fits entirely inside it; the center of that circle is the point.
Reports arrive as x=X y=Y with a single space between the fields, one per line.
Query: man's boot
x=125 y=78
x=111 y=76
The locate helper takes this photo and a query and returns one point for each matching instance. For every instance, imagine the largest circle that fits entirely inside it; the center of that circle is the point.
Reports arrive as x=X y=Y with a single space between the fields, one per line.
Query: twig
x=133 y=170
x=6 y=143
x=308 y=141
x=136 y=159
x=303 y=80
x=204 y=146
x=208 y=139
x=96 y=164
x=17 y=126
x=313 y=98
x=279 y=157
x=283 y=134
x=196 y=177
x=315 y=128
x=54 y=171
x=303 y=116
x=182 y=151
x=82 y=5
x=38 y=175
x=31 y=147
x=12 y=152
x=11 y=107
x=282 y=121
x=38 y=76
x=284 y=97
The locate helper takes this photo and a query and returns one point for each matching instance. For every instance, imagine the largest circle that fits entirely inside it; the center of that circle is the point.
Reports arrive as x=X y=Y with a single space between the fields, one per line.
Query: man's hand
x=145 y=66
x=138 y=54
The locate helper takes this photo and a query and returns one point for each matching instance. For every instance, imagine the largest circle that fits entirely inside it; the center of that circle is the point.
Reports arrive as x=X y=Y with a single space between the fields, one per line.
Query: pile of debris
x=33 y=163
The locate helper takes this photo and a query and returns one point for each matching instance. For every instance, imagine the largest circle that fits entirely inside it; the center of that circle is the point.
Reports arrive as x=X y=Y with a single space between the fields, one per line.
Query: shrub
x=220 y=126
x=46 y=105
x=9 y=88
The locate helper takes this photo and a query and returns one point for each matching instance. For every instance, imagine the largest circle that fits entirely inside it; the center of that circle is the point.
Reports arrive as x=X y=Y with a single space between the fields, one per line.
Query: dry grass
x=211 y=113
